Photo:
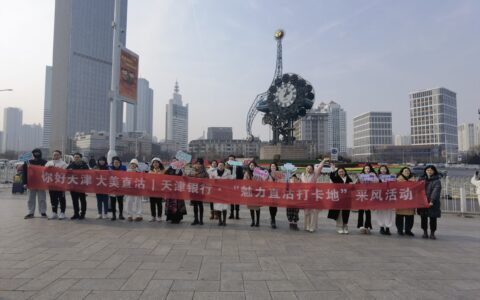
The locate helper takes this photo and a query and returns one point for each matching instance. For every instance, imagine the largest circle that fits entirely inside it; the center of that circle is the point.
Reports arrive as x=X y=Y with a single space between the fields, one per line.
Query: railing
x=7 y=174
x=459 y=196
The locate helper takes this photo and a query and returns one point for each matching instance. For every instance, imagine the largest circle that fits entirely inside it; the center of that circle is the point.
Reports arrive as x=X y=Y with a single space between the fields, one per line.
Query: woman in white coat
x=221 y=208
x=476 y=182
x=134 y=203
x=310 y=176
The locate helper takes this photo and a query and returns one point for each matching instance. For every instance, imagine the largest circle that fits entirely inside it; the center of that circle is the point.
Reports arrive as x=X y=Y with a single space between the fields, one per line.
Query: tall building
x=220 y=133
x=12 y=129
x=433 y=120
x=82 y=68
x=466 y=136
x=177 y=120
x=47 y=108
x=370 y=130
x=31 y=137
x=140 y=115
x=403 y=140
x=325 y=126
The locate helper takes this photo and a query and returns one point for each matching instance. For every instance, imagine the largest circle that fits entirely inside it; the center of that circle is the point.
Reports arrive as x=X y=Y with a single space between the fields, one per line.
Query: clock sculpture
x=288 y=98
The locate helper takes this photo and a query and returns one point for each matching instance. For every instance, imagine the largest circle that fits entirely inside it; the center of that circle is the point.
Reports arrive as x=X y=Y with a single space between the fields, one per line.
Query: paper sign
x=177 y=165
x=279 y=176
x=387 y=178
x=25 y=156
x=288 y=167
x=235 y=163
x=183 y=156
x=365 y=178
x=263 y=174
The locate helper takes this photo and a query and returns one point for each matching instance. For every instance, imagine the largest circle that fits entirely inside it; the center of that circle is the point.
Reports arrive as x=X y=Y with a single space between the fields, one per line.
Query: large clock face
x=285 y=94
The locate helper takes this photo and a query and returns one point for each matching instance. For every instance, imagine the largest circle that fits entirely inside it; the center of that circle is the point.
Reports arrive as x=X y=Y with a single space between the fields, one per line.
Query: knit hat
x=156 y=159
x=134 y=161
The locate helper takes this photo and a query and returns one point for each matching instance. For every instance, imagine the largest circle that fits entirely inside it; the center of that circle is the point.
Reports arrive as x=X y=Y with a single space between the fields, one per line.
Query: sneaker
x=340 y=230
x=82 y=217
x=105 y=216
x=53 y=216
x=425 y=235
x=75 y=217
x=400 y=233
x=99 y=216
x=121 y=217
x=61 y=216
x=382 y=230
x=231 y=216
x=159 y=219
x=345 y=229
x=367 y=231
x=363 y=230
x=138 y=219
x=153 y=219
x=387 y=231
x=409 y=233
x=44 y=215
x=200 y=223
x=432 y=236
x=194 y=223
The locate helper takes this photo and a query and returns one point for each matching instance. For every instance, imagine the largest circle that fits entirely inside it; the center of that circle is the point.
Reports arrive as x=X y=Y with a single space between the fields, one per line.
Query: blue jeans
x=102 y=199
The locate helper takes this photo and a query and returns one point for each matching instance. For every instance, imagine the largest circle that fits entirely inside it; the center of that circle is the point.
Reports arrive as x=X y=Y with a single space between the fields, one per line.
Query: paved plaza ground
x=100 y=259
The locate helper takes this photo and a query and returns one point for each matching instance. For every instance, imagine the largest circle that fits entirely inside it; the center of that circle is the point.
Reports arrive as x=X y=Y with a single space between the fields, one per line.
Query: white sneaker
x=363 y=230
x=105 y=216
x=99 y=216
x=367 y=231
x=339 y=230
x=153 y=219
x=53 y=216
x=61 y=216
x=345 y=229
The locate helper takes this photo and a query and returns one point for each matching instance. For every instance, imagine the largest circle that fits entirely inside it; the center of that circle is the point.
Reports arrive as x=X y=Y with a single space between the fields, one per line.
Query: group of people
x=175 y=209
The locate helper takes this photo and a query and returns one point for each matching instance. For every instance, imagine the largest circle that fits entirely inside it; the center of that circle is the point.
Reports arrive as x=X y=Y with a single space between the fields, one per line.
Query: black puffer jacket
x=433 y=189
x=35 y=161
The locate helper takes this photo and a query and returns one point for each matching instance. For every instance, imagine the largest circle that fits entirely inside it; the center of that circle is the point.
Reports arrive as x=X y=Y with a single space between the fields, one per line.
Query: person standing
x=254 y=210
x=78 y=164
x=365 y=224
x=340 y=176
x=237 y=173
x=134 y=203
x=34 y=194
x=102 y=199
x=156 y=167
x=433 y=190
x=175 y=209
x=221 y=208
x=292 y=212
x=404 y=217
x=114 y=199
x=273 y=209
x=476 y=182
x=385 y=217
x=57 y=197
x=310 y=176
x=199 y=171
x=211 y=171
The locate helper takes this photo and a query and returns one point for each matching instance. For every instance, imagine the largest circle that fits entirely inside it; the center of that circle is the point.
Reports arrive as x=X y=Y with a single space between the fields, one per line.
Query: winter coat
x=405 y=211
x=56 y=164
x=433 y=190
x=80 y=166
x=335 y=178
x=35 y=161
x=476 y=182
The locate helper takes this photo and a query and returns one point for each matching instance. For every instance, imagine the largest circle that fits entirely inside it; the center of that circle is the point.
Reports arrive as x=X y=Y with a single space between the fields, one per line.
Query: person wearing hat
x=156 y=167
x=78 y=164
x=34 y=194
x=134 y=203
x=199 y=171
x=221 y=208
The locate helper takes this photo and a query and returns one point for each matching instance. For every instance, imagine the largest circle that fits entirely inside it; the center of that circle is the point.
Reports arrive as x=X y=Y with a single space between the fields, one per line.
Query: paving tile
x=174 y=295
x=139 y=280
x=88 y=273
x=99 y=284
x=196 y=285
x=284 y=296
x=156 y=289
x=113 y=295
x=219 y=295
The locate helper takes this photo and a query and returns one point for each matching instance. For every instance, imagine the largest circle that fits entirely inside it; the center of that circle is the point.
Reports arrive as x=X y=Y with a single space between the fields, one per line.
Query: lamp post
x=114 y=82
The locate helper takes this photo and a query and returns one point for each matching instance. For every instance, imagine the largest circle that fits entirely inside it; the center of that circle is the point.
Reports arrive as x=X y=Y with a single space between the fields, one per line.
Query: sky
x=364 y=55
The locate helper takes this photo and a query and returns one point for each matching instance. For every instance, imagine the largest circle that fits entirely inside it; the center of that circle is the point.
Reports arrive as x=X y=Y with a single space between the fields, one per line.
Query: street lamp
x=6 y=90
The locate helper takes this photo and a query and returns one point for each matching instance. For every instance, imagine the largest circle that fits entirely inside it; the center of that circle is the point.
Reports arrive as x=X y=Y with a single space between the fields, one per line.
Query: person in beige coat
x=404 y=217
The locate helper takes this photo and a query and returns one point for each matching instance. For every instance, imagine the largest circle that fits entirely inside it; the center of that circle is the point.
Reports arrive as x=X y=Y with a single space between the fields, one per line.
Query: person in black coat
x=341 y=216
x=237 y=173
x=33 y=194
x=433 y=189
x=78 y=164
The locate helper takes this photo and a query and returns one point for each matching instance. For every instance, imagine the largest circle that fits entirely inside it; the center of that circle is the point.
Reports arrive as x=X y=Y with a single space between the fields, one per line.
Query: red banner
x=248 y=192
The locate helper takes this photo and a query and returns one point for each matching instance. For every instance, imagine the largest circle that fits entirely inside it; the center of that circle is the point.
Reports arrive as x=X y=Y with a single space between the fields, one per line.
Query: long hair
x=372 y=170
x=270 y=167
x=435 y=171
x=247 y=169
x=386 y=168
x=400 y=173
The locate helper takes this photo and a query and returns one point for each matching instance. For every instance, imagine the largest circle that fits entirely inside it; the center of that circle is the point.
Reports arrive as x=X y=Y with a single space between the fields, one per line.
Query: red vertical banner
x=128 y=81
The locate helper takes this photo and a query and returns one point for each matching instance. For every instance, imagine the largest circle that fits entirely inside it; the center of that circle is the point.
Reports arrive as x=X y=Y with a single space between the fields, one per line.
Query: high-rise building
x=403 y=140
x=369 y=130
x=82 y=68
x=12 y=129
x=466 y=136
x=47 y=108
x=325 y=126
x=220 y=133
x=177 y=120
x=31 y=137
x=140 y=115
x=433 y=120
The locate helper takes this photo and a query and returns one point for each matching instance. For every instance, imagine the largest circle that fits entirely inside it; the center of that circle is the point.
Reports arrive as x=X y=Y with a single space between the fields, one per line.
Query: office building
x=220 y=133
x=371 y=129
x=466 y=136
x=31 y=137
x=47 y=109
x=403 y=140
x=176 y=128
x=140 y=115
x=12 y=129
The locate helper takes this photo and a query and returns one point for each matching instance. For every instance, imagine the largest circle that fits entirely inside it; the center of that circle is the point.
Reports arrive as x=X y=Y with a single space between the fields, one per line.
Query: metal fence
x=459 y=196
x=7 y=174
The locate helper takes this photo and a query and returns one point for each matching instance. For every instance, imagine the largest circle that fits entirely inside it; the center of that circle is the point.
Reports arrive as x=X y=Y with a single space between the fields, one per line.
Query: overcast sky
x=365 y=55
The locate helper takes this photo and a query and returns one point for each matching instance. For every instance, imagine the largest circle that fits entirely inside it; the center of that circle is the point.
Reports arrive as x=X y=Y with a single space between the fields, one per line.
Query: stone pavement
x=100 y=259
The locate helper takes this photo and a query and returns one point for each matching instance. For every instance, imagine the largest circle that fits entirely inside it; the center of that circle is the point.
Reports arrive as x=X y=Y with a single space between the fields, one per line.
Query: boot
x=121 y=217
x=387 y=231
x=432 y=235
x=257 y=224
x=219 y=217
x=273 y=224
x=252 y=215
x=237 y=214
x=212 y=215
x=295 y=226
x=425 y=234
x=114 y=216
x=224 y=223
x=382 y=230
x=200 y=222
x=231 y=214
